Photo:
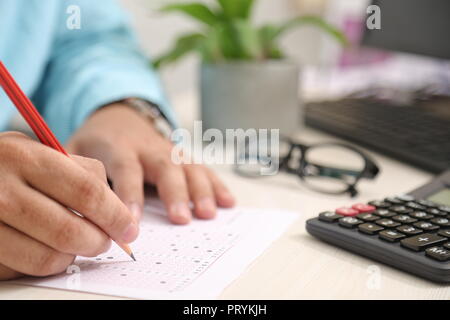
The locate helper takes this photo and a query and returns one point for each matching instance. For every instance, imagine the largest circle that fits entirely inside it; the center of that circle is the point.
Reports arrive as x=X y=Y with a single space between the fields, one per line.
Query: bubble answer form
x=195 y=261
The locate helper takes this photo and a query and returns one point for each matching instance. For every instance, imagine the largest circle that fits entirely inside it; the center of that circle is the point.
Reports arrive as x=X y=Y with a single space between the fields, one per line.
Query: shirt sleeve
x=94 y=65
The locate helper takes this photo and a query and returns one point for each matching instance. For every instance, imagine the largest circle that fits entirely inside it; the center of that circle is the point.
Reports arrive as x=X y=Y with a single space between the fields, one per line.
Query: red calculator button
x=348 y=212
x=363 y=208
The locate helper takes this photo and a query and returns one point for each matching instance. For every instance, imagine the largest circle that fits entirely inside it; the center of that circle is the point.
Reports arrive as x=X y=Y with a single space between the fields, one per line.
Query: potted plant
x=246 y=80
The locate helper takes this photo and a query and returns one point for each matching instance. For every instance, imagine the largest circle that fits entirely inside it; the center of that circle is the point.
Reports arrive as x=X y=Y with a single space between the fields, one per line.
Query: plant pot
x=260 y=95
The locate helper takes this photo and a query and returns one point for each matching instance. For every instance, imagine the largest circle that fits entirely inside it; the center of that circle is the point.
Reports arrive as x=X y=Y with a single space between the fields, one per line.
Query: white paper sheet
x=196 y=261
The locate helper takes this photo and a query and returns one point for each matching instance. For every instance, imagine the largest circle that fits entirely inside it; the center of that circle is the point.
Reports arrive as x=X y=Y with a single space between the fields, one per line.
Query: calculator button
x=427 y=203
x=438 y=253
x=361 y=207
x=422 y=215
x=444 y=233
x=446 y=209
x=415 y=206
x=368 y=217
x=348 y=212
x=426 y=226
x=391 y=235
x=329 y=216
x=380 y=204
x=422 y=241
x=436 y=212
x=387 y=223
x=442 y=222
x=405 y=197
x=403 y=218
x=393 y=200
x=409 y=230
x=447 y=245
x=369 y=228
x=384 y=213
x=401 y=209
x=349 y=222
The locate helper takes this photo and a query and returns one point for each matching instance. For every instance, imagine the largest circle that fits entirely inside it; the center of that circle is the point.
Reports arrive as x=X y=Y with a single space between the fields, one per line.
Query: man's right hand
x=39 y=235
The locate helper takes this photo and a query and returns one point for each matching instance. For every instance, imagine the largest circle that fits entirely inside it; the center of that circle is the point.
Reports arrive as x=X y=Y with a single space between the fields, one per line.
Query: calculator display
x=441 y=197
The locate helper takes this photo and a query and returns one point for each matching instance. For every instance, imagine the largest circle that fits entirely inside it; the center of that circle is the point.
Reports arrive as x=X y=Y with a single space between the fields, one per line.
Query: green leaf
x=315 y=21
x=183 y=46
x=210 y=49
x=196 y=10
x=248 y=39
x=239 y=40
x=269 y=34
x=237 y=8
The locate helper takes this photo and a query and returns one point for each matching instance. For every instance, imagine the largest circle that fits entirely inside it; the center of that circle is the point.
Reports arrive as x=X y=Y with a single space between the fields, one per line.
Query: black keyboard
x=404 y=232
x=407 y=133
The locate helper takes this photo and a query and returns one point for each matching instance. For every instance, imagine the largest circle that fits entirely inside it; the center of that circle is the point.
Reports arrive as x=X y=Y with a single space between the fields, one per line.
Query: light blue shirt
x=69 y=72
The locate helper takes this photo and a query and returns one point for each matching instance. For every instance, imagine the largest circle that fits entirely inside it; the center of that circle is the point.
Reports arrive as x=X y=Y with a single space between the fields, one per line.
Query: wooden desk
x=297 y=266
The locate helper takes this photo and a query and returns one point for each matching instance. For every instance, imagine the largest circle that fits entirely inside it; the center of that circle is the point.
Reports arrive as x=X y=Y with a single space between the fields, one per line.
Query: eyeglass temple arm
x=338 y=172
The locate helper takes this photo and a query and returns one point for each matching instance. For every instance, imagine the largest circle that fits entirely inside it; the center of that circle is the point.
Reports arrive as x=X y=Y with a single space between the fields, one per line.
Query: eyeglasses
x=331 y=168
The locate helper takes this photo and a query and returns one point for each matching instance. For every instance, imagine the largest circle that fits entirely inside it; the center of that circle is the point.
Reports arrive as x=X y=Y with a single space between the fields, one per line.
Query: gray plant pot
x=260 y=95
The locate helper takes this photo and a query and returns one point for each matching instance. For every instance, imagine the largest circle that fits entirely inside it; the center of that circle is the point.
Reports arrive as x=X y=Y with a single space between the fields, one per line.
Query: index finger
x=63 y=180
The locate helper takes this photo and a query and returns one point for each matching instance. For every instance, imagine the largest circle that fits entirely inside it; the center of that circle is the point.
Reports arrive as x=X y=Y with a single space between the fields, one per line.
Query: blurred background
x=391 y=94
x=325 y=65
x=158 y=31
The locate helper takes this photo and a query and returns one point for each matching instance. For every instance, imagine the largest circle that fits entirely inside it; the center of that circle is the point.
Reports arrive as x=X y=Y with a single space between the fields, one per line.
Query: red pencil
x=34 y=120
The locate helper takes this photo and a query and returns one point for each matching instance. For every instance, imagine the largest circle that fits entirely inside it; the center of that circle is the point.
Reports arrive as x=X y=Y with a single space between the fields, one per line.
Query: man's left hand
x=134 y=153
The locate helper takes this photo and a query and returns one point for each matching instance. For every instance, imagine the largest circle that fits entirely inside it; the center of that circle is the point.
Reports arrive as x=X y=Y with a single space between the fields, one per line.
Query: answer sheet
x=195 y=261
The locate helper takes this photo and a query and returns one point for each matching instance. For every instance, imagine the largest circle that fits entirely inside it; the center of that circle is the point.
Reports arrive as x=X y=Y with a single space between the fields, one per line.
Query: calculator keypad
x=442 y=222
x=404 y=219
x=370 y=228
x=348 y=212
x=349 y=222
x=387 y=223
x=422 y=241
x=409 y=230
x=444 y=233
x=329 y=216
x=426 y=226
x=368 y=217
x=384 y=213
x=418 y=225
x=391 y=235
x=438 y=253
x=422 y=215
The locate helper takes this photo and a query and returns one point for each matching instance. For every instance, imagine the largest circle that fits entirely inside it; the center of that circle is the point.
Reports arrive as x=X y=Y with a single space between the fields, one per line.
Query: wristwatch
x=152 y=112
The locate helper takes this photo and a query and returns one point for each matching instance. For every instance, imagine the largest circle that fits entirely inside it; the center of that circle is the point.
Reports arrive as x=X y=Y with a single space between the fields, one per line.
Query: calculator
x=410 y=232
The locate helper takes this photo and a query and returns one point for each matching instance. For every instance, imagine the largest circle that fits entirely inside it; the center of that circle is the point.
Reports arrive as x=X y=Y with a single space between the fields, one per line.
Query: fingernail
x=135 y=210
x=131 y=233
x=181 y=211
x=206 y=205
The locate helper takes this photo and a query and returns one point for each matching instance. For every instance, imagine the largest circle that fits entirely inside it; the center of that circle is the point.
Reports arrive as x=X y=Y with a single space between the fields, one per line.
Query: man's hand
x=39 y=235
x=134 y=152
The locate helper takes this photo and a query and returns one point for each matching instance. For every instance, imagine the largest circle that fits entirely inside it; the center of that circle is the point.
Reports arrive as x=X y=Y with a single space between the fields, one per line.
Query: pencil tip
x=132 y=256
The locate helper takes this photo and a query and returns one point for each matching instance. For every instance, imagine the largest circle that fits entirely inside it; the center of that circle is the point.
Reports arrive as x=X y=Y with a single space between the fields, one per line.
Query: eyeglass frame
x=370 y=170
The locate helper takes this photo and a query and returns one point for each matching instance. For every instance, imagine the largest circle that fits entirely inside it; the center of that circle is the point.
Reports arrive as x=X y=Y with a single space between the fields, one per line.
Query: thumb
x=128 y=183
